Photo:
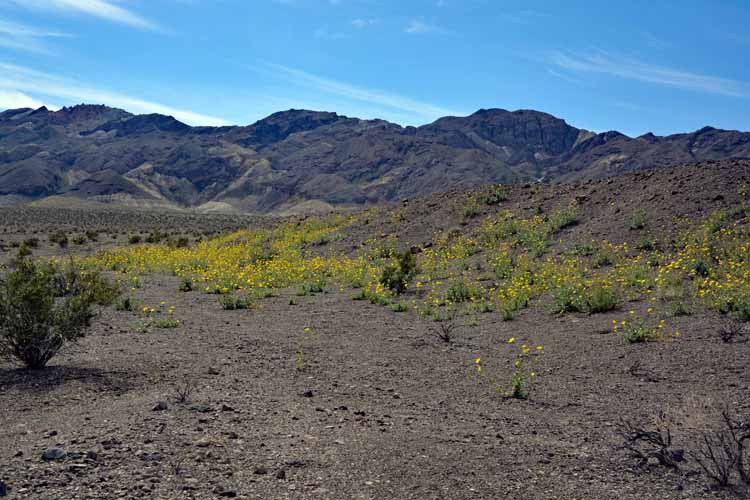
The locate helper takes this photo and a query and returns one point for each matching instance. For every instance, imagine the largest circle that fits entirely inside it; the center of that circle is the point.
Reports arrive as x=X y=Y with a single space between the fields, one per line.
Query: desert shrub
x=79 y=240
x=166 y=323
x=471 y=209
x=31 y=242
x=601 y=259
x=460 y=291
x=155 y=237
x=645 y=442
x=724 y=452
x=60 y=238
x=639 y=220
x=312 y=287
x=232 y=302
x=400 y=307
x=396 y=277
x=135 y=239
x=126 y=304
x=181 y=242
x=600 y=298
x=34 y=326
x=567 y=299
x=585 y=249
x=562 y=218
x=186 y=285
x=92 y=235
x=496 y=195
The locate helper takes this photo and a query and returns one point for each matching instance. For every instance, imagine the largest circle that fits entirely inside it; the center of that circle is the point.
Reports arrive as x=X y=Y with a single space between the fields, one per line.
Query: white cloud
x=26 y=38
x=363 y=23
x=602 y=62
x=14 y=100
x=417 y=26
x=28 y=81
x=416 y=110
x=102 y=9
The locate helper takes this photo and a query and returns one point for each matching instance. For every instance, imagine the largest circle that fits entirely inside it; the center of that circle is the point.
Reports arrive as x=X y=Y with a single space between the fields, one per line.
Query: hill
x=297 y=159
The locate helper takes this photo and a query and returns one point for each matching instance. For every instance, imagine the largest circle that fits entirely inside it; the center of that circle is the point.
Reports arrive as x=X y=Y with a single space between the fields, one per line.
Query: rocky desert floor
x=321 y=396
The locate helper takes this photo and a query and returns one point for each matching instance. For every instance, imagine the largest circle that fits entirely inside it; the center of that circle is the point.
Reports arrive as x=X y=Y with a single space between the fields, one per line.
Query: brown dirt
x=380 y=408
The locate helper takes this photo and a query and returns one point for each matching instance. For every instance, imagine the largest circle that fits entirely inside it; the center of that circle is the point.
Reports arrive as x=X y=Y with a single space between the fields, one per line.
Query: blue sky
x=634 y=66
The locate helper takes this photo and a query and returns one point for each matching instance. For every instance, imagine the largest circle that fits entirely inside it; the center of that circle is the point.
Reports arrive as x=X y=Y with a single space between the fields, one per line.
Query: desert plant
x=231 y=302
x=166 y=323
x=184 y=392
x=639 y=220
x=59 y=238
x=656 y=443
x=400 y=307
x=186 y=285
x=523 y=373
x=600 y=298
x=396 y=277
x=34 y=326
x=496 y=195
x=723 y=452
x=135 y=239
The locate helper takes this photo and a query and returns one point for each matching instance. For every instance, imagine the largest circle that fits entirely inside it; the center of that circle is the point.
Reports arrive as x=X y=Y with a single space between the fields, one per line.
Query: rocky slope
x=300 y=160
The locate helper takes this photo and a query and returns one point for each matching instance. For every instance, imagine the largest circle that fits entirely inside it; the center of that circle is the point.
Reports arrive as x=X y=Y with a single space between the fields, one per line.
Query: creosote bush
x=396 y=277
x=38 y=316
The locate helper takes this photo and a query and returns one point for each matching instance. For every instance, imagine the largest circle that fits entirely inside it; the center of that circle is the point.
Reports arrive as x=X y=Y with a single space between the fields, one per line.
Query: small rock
x=308 y=393
x=226 y=407
x=213 y=371
x=225 y=491
x=19 y=453
x=201 y=408
x=160 y=406
x=260 y=470
x=3 y=489
x=92 y=455
x=281 y=474
x=53 y=454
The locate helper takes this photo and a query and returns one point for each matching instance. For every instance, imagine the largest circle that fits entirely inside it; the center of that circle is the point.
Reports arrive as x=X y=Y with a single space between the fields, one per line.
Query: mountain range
x=301 y=161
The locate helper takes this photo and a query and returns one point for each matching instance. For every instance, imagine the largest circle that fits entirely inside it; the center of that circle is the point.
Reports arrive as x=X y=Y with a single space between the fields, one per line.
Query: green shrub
x=601 y=259
x=59 y=238
x=600 y=298
x=496 y=195
x=135 y=239
x=34 y=326
x=232 y=302
x=639 y=220
x=396 y=277
x=166 y=323
x=400 y=307
x=186 y=285
x=567 y=299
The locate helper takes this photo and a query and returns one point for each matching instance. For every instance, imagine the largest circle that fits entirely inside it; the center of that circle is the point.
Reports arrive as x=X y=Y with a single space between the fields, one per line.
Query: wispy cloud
x=18 y=79
x=622 y=67
x=363 y=23
x=13 y=100
x=416 y=111
x=102 y=9
x=418 y=26
x=26 y=38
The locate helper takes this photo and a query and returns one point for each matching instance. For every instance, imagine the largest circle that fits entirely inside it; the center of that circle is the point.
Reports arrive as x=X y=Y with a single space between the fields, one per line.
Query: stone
x=54 y=453
x=160 y=406
x=3 y=489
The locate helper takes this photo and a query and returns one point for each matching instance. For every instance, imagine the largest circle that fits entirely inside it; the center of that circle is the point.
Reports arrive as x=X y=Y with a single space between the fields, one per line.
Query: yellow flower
x=511 y=340
x=478 y=360
x=631 y=312
x=525 y=349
